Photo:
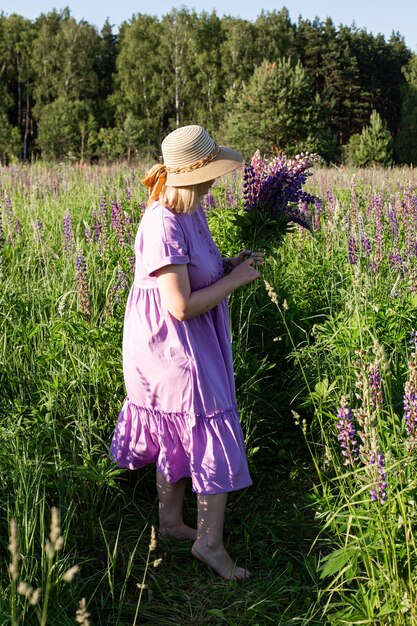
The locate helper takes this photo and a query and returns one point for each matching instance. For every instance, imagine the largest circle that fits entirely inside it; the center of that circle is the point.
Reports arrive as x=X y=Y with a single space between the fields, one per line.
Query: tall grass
x=324 y=549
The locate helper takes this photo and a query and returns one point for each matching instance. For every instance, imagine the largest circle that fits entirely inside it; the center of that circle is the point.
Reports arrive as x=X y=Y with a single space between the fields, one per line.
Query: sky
x=376 y=16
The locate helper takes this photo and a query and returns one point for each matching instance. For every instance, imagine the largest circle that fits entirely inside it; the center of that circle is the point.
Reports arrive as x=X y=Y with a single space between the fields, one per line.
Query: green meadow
x=325 y=358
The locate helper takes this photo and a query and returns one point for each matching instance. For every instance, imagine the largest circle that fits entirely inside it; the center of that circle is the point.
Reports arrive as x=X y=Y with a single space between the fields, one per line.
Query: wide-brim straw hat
x=191 y=157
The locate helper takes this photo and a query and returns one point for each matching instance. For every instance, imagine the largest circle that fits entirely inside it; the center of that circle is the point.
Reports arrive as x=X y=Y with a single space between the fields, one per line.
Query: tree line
x=70 y=91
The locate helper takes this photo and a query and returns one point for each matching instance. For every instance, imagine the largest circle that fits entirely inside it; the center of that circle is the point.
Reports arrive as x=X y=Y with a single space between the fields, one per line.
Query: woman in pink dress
x=180 y=412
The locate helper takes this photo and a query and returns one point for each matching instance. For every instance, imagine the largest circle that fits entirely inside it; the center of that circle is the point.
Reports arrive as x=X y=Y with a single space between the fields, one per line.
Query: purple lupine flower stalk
x=68 y=232
x=274 y=188
x=132 y=264
x=347 y=434
x=82 y=284
x=379 y=233
x=121 y=285
x=230 y=198
x=365 y=246
x=104 y=225
x=375 y=387
x=117 y=221
x=364 y=416
x=208 y=201
x=352 y=251
x=96 y=226
x=395 y=261
x=318 y=213
x=378 y=492
x=393 y=224
x=128 y=193
x=89 y=233
x=410 y=396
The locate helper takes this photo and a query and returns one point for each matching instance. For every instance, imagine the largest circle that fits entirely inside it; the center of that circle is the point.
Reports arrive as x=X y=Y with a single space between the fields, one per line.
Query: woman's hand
x=245 y=272
x=256 y=255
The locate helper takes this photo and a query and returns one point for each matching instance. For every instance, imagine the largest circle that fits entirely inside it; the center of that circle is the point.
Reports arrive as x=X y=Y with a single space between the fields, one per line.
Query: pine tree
x=373 y=146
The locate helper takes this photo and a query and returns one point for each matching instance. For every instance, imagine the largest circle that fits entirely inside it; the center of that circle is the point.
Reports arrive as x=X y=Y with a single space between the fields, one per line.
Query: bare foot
x=182 y=531
x=219 y=559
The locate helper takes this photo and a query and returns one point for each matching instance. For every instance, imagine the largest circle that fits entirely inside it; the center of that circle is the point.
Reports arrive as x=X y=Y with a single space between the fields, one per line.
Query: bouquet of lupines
x=274 y=199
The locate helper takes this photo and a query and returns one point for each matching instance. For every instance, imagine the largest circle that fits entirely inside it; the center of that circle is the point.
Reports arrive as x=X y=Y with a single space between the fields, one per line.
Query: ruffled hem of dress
x=209 y=448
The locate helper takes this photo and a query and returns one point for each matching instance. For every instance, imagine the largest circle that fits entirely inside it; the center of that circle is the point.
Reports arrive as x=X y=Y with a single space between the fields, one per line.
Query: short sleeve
x=163 y=242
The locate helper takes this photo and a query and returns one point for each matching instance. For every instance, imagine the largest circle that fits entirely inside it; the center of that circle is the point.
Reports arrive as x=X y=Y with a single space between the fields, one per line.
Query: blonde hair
x=183 y=199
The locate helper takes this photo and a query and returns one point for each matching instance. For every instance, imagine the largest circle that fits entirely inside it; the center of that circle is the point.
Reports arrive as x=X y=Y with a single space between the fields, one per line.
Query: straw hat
x=191 y=156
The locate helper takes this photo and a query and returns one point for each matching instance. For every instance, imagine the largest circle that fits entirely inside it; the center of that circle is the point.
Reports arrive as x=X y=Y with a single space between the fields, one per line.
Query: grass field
x=325 y=362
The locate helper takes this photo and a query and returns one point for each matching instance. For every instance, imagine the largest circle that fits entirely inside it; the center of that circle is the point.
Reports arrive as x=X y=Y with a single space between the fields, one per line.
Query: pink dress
x=180 y=411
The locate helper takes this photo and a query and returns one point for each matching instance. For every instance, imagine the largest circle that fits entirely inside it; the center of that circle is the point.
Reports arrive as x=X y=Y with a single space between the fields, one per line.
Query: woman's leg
x=208 y=546
x=171 y=499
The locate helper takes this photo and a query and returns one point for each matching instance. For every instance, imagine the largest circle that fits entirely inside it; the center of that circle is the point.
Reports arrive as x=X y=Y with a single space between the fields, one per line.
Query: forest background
x=71 y=92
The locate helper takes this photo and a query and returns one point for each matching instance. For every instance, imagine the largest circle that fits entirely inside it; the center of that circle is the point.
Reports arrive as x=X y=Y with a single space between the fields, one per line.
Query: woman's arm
x=184 y=304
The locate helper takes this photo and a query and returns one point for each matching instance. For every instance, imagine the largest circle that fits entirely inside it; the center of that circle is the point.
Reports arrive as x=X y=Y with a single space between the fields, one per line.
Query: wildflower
x=209 y=201
x=273 y=195
x=82 y=615
x=117 y=221
x=379 y=490
x=395 y=261
x=121 y=285
x=375 y=387
x=82 y=283
x=127 y=189
x=103 y=232
x=410 y=396
x=96 y=225
x=352 y=251
x=132 y=263
x=67 y=228
x=70 y=574
x=230 y=198
x=347 y=434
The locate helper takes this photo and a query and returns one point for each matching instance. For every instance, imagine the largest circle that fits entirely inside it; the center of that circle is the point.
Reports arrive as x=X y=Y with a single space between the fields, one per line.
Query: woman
x=180 y=411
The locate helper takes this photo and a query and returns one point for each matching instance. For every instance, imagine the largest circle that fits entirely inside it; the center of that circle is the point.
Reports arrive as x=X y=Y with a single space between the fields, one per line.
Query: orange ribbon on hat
x=155 y=179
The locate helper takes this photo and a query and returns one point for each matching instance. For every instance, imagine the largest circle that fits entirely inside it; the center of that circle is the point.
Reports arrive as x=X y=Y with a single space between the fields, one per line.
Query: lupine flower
x=347 y=434
x=208 y=201
x=375 y=387
x=230 y=198
x=352 y=251
x=121 y=285
x=96 y=225
x=319 y=211
x=272 y=194
x=117 y=221
x=104 y=228
x=395 y=261
x=89 y=236
x=410 y=396
x=132 y=263
x=393 y=224
x=127 y=190
x=67 y=229
x=365 y=245
x=379 y=490
x=82 y=283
